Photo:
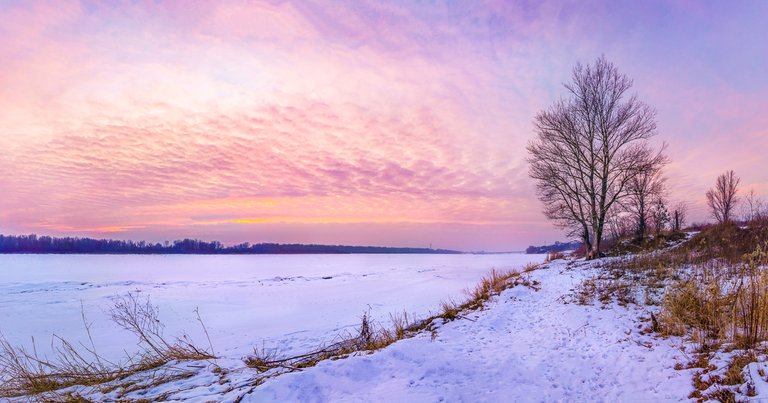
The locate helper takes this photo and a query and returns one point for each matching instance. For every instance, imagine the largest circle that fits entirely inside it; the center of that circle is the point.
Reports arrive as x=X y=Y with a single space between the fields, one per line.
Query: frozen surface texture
x=288 y=302
x=525 y=346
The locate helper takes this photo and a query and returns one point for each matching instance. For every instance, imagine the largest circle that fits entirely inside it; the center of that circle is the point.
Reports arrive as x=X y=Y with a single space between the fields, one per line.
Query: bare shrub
x=699 y=226
x=263 y=359
x=715 y=292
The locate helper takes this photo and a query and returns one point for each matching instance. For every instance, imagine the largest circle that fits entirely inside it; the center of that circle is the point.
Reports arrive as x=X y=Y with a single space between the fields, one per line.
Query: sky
x=397 y=123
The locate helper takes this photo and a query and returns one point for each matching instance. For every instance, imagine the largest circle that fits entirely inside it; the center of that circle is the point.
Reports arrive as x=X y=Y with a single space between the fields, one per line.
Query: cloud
x=226 y=117
x=321 y=165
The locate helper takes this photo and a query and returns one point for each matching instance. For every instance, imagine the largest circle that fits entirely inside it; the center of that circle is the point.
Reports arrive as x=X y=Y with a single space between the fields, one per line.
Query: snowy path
x=529 y=346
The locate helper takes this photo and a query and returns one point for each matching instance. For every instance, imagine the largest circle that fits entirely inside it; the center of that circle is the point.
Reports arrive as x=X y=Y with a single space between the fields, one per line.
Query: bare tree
x=679 y=216
x=659 y=214
x=588 y=148
x=643 y=190
x=620 y=224
x=722 y=198
x=754 y=208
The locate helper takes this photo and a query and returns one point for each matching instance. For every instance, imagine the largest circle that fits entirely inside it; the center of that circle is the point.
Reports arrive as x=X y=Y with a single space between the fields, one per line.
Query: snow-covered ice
x=526 y=346
x=290 y=302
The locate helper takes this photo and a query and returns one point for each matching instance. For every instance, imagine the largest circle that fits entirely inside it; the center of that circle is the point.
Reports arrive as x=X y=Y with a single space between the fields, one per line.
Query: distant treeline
x=46 y=244
x=556 y=247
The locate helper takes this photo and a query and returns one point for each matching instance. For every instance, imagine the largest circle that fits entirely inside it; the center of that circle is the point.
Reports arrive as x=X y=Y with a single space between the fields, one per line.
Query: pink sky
x=359 y=122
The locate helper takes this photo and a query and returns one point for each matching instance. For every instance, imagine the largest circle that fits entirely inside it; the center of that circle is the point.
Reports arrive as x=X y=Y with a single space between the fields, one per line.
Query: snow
x=755 y=374
x=529 y=346
x=526 y=345
x=291 y=302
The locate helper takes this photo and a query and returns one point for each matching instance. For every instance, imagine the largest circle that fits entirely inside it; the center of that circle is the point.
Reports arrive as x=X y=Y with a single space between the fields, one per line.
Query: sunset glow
x=360 y=122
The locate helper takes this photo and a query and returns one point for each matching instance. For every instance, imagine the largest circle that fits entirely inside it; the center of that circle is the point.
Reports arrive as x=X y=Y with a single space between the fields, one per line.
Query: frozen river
x=289 y=302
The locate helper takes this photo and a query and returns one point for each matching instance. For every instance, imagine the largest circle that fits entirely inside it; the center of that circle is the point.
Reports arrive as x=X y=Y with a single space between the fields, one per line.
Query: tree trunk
x=597 y=237
x=594 y=250
x=587 y=242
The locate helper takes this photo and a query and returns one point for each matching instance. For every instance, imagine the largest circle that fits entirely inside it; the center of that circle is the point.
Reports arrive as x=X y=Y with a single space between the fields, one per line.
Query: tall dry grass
x=722 y=303
x=25 y=372
x=712 y=287
x=551 y=256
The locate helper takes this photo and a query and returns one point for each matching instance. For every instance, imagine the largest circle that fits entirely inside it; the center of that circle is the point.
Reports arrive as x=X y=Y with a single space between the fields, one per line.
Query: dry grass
x=734 y=375
x=721 y=395
x=450 y=310
x=369 y=336
x=554 y=256
x=750 y=310
x=605 y=290
x=494 y=284
x=712 y=288
x=701 y=309
x=721 y=304
x=725 y=243
x=717 y=247
x=701 y=361
x=639 y=277
x=24 y=372
x=719 y=384
x=488 y=287
x=656 y=242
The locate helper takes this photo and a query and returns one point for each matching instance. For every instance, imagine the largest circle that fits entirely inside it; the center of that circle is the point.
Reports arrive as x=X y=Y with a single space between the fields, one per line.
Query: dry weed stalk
x=27 y=373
